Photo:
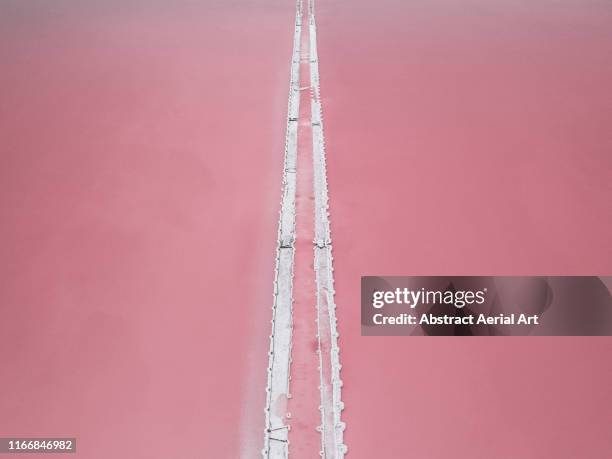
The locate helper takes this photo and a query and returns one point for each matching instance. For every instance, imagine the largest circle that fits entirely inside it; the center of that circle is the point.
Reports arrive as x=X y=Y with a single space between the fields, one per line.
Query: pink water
x=469 y=137
x=142 y=147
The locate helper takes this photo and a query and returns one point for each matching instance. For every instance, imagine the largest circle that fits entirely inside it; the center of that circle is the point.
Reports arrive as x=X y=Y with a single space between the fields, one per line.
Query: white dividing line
x=277 y=390
x=332 y=427
x=276 y=441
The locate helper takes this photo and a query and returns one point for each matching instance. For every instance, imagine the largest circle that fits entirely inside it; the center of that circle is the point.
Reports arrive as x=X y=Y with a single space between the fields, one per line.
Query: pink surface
x=141 y=153
x=474 y=138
